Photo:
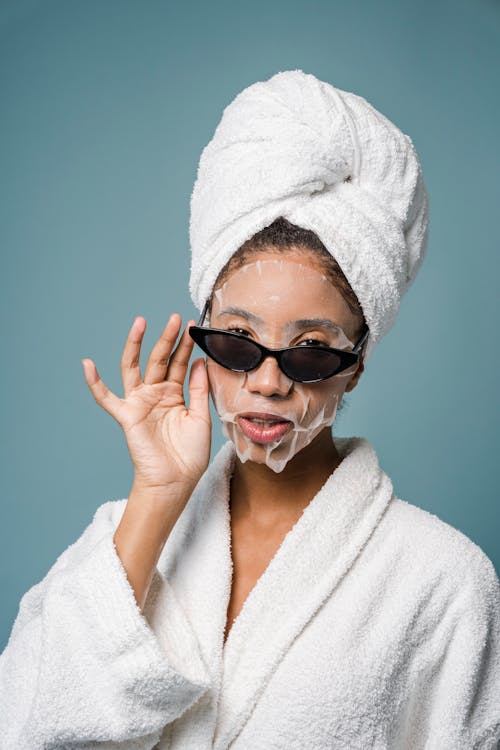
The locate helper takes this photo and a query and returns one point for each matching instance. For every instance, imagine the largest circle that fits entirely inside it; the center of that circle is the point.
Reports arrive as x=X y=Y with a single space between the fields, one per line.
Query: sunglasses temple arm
x=203 y=313
x=361 y=341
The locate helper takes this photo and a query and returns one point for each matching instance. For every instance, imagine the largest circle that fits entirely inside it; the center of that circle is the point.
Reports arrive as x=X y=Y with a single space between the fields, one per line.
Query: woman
x=281 y=596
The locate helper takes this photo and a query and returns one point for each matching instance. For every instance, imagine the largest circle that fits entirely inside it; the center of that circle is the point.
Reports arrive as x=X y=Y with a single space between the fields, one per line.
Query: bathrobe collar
x=312 y=559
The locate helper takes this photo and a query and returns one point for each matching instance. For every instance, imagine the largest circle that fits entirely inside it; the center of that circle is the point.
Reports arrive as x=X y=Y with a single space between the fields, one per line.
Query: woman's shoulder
x=436 y=547
x=104 y=521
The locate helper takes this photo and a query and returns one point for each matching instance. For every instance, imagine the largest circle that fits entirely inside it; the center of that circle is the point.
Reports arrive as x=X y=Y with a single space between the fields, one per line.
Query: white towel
x=326 y=160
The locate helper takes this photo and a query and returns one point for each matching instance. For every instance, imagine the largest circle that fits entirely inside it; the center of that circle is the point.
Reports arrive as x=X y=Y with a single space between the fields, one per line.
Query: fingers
x=156 y=368
x=130 y=369
x=178 y=364
x=103 y=396
x=198 y=390
x=165 y=364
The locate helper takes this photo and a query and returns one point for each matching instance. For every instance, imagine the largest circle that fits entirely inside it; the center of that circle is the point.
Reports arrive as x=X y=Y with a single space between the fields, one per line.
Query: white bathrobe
x=375 y=625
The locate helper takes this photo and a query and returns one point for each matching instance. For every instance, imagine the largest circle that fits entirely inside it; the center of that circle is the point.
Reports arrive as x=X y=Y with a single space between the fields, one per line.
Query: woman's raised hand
x=169 y=443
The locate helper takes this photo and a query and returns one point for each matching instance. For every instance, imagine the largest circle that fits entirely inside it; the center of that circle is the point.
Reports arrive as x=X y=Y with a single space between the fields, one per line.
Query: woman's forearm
x=144 y=528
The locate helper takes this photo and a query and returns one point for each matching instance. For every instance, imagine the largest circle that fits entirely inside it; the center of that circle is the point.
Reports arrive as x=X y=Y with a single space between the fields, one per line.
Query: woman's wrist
x=166 y=500
x=147 y=521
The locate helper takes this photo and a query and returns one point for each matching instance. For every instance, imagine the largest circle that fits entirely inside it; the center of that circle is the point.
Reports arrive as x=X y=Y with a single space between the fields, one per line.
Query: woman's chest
x=252 y=550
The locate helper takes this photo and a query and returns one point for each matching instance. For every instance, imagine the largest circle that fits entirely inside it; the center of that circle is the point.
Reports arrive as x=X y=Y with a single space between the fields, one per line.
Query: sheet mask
x=306 y=293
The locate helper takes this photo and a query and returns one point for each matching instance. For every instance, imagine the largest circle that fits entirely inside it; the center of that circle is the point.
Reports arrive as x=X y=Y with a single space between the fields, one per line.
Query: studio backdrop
x=105 y=109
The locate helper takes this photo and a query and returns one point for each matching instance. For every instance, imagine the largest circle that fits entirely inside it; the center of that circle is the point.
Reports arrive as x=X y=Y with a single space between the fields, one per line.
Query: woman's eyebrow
x=242 y=313
x=314 y=323
x=302 y=323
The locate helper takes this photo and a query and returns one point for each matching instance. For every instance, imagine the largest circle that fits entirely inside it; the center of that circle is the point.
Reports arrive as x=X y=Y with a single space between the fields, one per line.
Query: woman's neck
x=260 y=495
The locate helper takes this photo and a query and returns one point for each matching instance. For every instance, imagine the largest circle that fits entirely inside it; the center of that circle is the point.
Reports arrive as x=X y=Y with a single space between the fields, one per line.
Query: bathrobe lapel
x=313 y=558
x=196 y=562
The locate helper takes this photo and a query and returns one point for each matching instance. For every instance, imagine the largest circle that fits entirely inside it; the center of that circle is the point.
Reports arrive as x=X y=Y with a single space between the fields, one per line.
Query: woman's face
x=274 y=300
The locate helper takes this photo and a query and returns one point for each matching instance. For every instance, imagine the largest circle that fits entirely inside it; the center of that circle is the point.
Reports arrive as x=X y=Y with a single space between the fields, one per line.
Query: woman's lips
x=261 y=433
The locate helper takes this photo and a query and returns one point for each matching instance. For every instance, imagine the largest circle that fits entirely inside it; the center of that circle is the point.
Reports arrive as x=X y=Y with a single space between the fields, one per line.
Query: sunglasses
x=304 y=364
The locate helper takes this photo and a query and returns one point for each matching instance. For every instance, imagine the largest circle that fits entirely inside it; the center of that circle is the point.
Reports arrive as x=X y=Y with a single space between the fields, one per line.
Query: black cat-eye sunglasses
x=304 y=364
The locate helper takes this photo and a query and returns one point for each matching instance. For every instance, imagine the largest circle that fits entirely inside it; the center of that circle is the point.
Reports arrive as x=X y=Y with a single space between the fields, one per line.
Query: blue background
x=105 y=109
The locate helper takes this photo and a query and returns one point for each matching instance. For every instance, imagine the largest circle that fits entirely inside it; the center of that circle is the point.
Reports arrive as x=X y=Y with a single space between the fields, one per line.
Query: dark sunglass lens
x=304 y=363
x=232 y=352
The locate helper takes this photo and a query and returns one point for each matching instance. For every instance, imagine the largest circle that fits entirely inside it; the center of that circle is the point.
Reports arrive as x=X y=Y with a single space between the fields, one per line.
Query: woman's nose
x=268 y=379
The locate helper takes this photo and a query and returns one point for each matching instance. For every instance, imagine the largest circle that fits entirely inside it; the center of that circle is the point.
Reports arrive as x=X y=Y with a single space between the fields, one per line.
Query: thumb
x=198 y=390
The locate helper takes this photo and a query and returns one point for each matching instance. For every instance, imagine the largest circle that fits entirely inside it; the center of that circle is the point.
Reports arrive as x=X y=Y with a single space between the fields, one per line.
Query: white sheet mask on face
x=278 y=291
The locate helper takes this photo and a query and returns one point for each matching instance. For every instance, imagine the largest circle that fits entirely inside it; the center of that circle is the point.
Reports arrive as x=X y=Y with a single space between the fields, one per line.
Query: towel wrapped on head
x=326 y=160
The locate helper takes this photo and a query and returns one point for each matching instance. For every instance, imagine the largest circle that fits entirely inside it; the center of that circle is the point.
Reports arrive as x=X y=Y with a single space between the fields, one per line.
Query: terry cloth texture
x=326 y=160
x=375 y=625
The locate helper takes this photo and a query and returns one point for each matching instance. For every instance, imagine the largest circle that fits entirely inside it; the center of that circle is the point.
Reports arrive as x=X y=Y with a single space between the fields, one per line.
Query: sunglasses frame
x=198 y=333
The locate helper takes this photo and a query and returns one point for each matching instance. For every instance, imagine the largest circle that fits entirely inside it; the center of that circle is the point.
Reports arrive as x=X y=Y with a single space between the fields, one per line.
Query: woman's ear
x=356 y=376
